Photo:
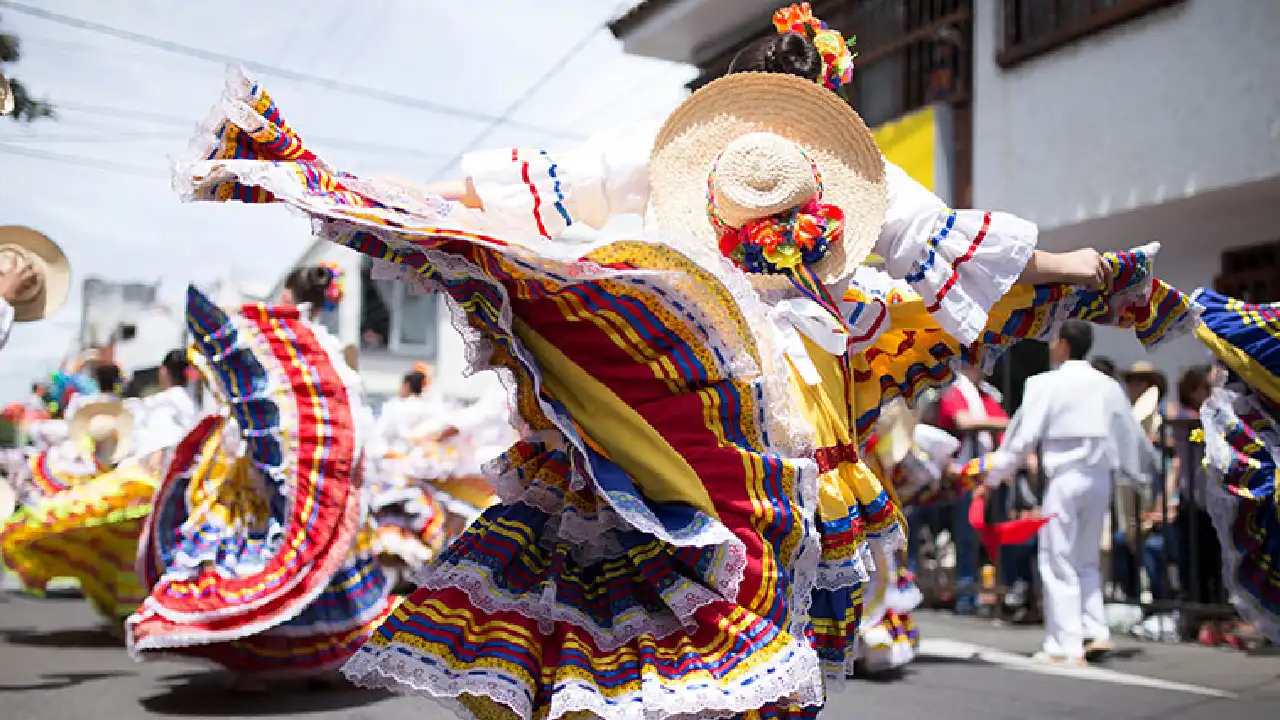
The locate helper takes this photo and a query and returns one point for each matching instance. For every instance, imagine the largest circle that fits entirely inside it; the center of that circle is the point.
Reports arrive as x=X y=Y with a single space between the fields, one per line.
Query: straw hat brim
x=50 y=262
x=78 y=426
x=897 y=426
x=802 y=111
x=1147 y=404
x=1142 y=369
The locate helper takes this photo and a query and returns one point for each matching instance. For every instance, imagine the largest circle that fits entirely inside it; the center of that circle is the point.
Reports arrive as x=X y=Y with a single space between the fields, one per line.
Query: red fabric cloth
x=1012 y=532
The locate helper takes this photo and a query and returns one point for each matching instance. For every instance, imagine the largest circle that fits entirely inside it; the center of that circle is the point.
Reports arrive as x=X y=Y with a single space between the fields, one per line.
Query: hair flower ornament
x=337 y=288
x=837 y=53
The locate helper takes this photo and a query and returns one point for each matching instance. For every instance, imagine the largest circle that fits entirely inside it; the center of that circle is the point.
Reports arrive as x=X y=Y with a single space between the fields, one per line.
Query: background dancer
x=1241 y=437
x=262 y=506
x=1087 y=432
x=89 y=530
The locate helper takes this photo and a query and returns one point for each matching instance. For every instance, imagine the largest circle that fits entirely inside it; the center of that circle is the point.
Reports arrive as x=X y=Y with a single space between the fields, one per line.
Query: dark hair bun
x=786 y=54
x=793 y=54
x=319 y=277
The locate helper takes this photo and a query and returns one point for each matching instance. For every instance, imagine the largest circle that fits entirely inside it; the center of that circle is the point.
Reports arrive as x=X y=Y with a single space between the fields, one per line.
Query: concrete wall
x=1177 y=103
x=1166 y=128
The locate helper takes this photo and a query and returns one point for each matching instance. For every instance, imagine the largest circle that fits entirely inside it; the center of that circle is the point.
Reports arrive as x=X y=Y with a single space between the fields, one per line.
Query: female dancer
x=1242 y=446
x=653 y=556
x=257 y=553
x=410 y=523
x=169 y=414
x=89 y=530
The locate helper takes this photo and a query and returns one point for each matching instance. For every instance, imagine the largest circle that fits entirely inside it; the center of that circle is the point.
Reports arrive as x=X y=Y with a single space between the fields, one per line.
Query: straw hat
x=7 y=101
x=1143 y=369
x=53 y=274
x=763 y=134
x=1146 y=408
x=105 y=422
x=896 y=428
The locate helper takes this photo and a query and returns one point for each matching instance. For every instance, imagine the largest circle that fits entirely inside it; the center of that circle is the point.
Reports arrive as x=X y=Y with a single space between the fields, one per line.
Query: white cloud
x=127 y=224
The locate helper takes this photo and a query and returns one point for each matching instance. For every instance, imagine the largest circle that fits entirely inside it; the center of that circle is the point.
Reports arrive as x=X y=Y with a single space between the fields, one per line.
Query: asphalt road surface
x=56 y=665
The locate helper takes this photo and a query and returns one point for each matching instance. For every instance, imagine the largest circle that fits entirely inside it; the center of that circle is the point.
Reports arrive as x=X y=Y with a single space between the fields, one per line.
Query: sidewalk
x=1190 y=664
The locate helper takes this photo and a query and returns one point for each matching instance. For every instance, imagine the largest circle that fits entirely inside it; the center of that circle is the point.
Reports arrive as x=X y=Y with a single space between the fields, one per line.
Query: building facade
x=395 y=328
x=130 y=319
x=1110 y=123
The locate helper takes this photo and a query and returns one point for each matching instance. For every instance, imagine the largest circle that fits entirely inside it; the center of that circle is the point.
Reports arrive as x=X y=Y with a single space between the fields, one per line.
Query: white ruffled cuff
x=970 y=260
x=531 y=190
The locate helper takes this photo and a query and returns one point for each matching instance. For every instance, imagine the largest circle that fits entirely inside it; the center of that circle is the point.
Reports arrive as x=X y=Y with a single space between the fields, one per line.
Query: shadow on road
x=61 y=681
x=82 y=639
x=206 y=695
x=973 y=660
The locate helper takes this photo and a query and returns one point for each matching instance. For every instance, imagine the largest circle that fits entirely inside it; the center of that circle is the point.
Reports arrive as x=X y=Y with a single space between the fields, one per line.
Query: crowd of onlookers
x=1159 y=546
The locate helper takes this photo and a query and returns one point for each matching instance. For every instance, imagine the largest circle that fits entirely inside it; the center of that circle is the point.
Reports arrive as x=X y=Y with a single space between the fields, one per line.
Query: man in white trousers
x=1087 y=435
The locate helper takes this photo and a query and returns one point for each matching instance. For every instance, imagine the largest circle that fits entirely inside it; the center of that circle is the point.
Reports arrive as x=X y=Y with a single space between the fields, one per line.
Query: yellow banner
x=911 y=143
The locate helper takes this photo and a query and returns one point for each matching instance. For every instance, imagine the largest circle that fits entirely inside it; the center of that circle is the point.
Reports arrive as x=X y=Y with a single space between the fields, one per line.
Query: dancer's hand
x=1084 y=267
x=19 y=274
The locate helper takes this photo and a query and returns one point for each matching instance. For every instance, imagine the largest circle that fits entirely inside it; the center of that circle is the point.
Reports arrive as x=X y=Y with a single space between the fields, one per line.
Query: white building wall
x=1177 y=103
x=1165 y=128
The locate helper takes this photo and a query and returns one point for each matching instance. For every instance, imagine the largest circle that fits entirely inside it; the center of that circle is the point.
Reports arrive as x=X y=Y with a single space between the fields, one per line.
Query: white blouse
x=402 y=419
x=6 y=321
x=163 y=419
x=959 y=262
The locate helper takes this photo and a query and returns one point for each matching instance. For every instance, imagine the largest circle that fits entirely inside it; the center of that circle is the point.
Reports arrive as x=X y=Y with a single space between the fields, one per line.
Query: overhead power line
x=187 y=124
x=80 y=161
x=178 y=48
x=519 y=102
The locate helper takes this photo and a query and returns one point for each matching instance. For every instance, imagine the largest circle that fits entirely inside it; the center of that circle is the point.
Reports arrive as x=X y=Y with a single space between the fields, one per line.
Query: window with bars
x=1251 y=274
x=394 y=318
x=911 y=53
x=1034 y=27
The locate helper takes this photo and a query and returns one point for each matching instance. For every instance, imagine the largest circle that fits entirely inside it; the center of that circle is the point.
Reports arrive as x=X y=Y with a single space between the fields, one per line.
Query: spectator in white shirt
x=1086 y=431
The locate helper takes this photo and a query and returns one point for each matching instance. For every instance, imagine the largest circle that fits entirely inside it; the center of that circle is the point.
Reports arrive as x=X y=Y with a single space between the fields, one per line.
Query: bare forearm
x=1040 y=269
x=1076 y=267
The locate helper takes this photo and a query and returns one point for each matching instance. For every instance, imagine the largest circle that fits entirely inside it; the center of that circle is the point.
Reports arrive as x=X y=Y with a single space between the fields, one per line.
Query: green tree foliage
x=26 y=107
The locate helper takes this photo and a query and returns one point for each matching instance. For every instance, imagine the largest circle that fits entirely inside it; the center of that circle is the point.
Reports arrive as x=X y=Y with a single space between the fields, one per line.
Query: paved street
x=57 y=666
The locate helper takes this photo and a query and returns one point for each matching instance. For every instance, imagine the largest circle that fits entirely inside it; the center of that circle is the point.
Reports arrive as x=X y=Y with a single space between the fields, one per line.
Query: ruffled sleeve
x=902 y=349
x=960 y=262
x=546 y=192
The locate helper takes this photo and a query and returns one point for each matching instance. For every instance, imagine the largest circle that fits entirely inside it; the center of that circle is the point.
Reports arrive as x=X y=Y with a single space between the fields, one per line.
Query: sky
x=96 y=179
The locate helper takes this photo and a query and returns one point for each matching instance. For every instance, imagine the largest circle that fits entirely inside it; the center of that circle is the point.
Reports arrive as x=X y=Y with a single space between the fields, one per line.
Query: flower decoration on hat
x=781 y=242
x=837 y=53
x=337 y=288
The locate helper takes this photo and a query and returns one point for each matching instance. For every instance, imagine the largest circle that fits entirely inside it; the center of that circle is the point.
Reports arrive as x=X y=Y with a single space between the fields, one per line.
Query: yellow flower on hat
x=784 y=256
x=829 y=43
